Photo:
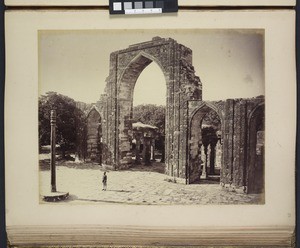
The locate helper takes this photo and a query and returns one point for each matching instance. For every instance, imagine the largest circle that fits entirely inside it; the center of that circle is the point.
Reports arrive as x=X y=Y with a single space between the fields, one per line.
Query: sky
x=230 y=63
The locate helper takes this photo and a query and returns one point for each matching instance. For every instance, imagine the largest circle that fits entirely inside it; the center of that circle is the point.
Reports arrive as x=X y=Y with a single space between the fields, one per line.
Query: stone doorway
x=205 y=153
x=211 y=149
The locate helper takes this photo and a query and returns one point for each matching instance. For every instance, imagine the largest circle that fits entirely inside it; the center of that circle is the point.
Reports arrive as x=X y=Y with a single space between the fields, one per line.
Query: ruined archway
x=182 y=84
x=242 y=135
x=255 y=176
x=203 y=149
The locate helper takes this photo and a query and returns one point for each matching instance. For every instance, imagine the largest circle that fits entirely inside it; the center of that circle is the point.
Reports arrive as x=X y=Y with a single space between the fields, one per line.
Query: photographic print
x=151 y=117
x=142 y=130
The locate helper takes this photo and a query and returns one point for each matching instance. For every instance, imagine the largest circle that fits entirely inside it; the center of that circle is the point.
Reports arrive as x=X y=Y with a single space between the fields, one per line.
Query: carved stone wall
x=242 y=125
x=175 y=61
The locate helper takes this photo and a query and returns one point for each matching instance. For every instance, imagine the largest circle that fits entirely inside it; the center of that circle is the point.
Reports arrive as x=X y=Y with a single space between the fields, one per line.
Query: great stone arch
x=175 y=61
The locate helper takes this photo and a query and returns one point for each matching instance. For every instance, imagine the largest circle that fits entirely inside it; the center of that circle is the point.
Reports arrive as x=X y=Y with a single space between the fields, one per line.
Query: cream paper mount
x=31 y=223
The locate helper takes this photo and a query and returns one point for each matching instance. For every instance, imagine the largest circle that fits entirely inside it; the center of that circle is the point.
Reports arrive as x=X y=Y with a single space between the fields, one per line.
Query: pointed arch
x=129 y=75
x=255 y=158
x=92 y=109
x=259 y=107
x=195 y=166
x=205 y=107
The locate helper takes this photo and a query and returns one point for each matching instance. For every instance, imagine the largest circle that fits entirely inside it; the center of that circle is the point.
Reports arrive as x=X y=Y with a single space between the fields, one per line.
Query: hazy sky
x=230 y=63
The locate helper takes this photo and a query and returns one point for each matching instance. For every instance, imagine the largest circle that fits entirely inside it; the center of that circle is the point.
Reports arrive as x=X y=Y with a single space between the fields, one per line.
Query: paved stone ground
x=135 y=186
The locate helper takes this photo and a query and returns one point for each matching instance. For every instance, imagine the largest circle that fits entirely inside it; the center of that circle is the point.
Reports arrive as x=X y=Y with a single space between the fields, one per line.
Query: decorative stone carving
x=203 y=163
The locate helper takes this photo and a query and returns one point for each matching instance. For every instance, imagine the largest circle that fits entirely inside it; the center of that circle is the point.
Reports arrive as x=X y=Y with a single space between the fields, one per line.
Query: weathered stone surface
x=255 y=149
x=242 y=149
x=94 y=135
x=238 y=152
x=218 y=155
x=182 y=85
x=197 y=111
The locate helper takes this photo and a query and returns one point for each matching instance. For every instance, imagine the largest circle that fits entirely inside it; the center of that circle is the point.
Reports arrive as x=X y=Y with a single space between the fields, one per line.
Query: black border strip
x=92 y=7
x=297 y=168
x=3 y=242
x=2 y=86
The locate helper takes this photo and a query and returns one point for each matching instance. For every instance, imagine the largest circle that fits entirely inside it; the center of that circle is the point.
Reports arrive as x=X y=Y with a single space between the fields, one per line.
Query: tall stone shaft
x=52 y=162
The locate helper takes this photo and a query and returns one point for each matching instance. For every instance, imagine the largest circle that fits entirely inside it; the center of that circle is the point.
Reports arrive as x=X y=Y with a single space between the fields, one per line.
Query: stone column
x=208 y=157
x=146 y=150
x=53 y=143
x=100 y=151
x=203 y=162
x=163 y=153
x=137 y=148
x=218 y=154
x=153 y=149
x=212 y=158
x=208 y=153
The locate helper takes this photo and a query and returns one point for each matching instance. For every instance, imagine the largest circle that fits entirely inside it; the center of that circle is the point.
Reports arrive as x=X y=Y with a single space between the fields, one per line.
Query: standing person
x=104 y=181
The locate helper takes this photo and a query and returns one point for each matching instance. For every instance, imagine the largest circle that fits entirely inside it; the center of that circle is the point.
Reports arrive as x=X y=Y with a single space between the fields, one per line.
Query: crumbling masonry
x=242 y=120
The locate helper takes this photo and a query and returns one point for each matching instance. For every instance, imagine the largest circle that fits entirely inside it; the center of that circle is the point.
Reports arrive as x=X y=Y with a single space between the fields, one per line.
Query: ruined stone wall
x=254 y=174
x=93 y=136
x=195 y=148
x=175 y=60
x=107 y=130
x=235 y=114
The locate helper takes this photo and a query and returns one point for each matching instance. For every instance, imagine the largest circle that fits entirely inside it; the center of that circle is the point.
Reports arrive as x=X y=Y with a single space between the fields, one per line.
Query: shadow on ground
x=72 y=198
x=154 y=167
x=44 y=164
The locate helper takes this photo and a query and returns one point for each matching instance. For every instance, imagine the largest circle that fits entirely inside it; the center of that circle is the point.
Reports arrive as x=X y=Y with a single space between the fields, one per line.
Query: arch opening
x=131 y=74
x=211 y=153
x=256 y=151
x=148 y=118
x=182 y=85
x=205 y=151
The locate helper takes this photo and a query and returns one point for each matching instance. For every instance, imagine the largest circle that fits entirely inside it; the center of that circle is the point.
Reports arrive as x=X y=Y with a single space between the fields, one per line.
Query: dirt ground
x=139 y=185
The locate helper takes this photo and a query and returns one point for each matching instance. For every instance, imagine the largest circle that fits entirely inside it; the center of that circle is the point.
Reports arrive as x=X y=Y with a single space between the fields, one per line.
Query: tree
x=70 y=121
x=151 y=114
x=212 y=118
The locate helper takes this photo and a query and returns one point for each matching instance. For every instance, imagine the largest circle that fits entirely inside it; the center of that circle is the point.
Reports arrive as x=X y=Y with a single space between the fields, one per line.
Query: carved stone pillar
x=53 y=144
x=203 y=162
x=218 y=154
x=137 y=148
x=212 y=158
x=153 y=149
x=146 y=150
x=208 y=155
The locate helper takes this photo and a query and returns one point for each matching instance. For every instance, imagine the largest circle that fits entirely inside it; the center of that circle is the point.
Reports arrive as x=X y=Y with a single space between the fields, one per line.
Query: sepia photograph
x=151 y=117
x=176 y=130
